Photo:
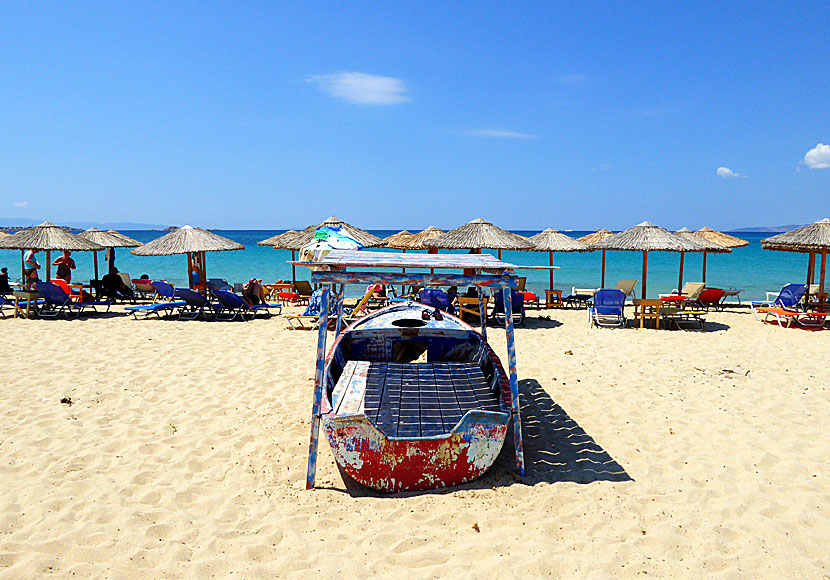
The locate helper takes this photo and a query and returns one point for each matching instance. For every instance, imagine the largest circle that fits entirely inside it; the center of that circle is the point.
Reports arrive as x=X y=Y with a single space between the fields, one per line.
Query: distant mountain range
x=28 y=222
x=769 y=229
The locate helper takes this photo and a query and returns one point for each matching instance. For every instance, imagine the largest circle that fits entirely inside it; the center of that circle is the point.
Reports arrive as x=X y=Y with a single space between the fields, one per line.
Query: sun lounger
x=789 y=298
x=608 y=308
x=579 y=297
x=471 y=306
x=709 y=298
x=436 y=298
x=785 y=317
x=57 y=302
x=158 y=308
x=232 y=306
x=518 y=304
x=145 y=288
x=627 y=286
x=195 y=305
x=310 y=318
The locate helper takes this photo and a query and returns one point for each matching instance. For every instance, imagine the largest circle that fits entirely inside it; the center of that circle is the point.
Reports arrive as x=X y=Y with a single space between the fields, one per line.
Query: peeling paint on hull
x=402 y=464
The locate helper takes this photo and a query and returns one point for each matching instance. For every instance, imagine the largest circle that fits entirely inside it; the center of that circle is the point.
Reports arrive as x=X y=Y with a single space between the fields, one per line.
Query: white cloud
x=362 y=88
x=20 y=203
x=499 y=134
x=726 y=173
x=818 y=157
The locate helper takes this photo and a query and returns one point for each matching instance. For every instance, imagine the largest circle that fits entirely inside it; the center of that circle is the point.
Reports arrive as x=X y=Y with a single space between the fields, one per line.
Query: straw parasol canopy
x=593 y=238
x=110 y=239
x=703 y=245
x=277 y=240
x=368 y=240
x=596 y=236
x=645 y=237
x=479 y=234
x=398 y=241
x=721 y=238
x=46 y=236
x=551 y=241
x=191 y=241
x=420 y=239
x=4 y=235
x=811 y=239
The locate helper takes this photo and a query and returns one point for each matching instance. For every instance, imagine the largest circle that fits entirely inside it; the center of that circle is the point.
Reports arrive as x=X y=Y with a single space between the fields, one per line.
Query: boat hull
x=410 y=464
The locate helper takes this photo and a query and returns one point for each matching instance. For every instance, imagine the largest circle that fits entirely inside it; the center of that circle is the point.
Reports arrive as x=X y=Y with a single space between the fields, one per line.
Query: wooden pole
x=95 y=262
x=319 y=380
x=704 y=267
x=680 y=279
x=514 y=381
x=48 y=266
x=482 y=312
x=811 y=268
x=293 y=269
x=603 y=269
x=823 y=269
x=204 y=274
x=23 y=269
x=189 y=270
x=550 y=272
x=645 y=271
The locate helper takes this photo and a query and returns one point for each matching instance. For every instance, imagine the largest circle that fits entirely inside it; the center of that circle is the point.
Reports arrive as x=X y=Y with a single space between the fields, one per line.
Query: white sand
x=666 y=453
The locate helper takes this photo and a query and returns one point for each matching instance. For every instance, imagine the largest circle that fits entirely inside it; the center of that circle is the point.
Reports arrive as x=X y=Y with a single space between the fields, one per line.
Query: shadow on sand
x=556 y=449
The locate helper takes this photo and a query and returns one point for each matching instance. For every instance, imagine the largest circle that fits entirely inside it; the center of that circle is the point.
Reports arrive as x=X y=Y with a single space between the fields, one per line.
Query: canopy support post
x=95 y=262
x=514 y=381
x=811 y=269
x=602 y=283
x=704 y=267
x=23 y=279
x=550 y=272
x=190 y=270
x=340 y=297
x=680 y=280
x=823 y=269
x=293 y=270
x=48 y=266
x=645 y=272
x=319 y=380
x=482 y=312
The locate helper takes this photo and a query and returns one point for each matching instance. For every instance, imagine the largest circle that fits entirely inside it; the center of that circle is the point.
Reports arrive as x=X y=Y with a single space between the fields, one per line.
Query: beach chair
x=164 y=291
x=578 y=297
x=218 y=284
x=471 y=306
x=310 y=318
x=195 y=305
x=608 y=308
x=627 y=286
x=232 y=305
x=789 y=298
x=518 y=307
x=145 y=289
x=785 y=317
x=436 y=298
x=304 y=290
x=709 y=298
x=57 y=302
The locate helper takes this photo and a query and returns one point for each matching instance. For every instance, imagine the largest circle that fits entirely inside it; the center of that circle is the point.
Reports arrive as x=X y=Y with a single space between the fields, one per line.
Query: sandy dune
x=666 y=453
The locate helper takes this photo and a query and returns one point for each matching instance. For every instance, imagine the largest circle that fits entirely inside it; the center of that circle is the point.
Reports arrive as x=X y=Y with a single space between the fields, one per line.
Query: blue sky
x=531 y=115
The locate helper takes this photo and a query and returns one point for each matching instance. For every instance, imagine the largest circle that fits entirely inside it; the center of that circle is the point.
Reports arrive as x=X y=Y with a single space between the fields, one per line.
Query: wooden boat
x=413 y=404
x=410 y=401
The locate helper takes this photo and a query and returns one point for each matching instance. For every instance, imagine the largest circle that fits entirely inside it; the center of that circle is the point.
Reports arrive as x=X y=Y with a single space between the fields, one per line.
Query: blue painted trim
x=318 y=389
x=412 y=279
x=514 y=381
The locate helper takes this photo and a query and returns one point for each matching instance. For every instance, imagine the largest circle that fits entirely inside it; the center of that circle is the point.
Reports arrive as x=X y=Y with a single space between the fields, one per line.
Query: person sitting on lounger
x=113 y=286
x=253 y=292
x=4 y=282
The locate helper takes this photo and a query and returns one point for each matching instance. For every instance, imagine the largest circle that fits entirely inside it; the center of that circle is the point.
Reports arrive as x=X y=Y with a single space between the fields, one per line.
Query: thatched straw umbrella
x=551 y=241
x=285 y=241
x=4 y=235
x=812 y=239
x=107 y=240
x=645 y=238
x=477 y=235
x=407 y=241
x=721 y=239
x=191 y=241
x=398 y=241
x=47 y=236
x=368 y=240
x=704 y=245
x=593 y=238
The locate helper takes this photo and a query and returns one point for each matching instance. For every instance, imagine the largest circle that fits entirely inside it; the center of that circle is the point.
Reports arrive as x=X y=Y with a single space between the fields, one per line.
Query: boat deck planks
x=413 y=399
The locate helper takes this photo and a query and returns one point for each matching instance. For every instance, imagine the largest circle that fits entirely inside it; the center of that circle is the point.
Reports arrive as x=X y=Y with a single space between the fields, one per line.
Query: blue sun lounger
x=57 y=302
x=195 y=305
x=232 y=305
x=608 y=308
x=164 y=290
x=789 y=297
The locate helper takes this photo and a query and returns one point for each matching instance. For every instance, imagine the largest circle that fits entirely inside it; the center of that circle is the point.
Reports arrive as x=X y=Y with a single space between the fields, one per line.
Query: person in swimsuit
x=65 y=266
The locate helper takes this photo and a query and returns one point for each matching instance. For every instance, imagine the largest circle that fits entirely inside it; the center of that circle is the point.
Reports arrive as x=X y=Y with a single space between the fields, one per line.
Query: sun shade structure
x=477 y=235
x=191 y=241
x=551 y=241
x=398 y=241
x=593 y=238
x=285 y=241
x=704 y=245
x=110 y=239
x=368 y=240
x=49 y=237
x=720 y=238
x=812 y=239
x=645 y=237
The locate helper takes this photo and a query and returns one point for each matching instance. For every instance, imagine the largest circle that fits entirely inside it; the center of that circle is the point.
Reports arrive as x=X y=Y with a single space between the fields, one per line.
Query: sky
x=531 y=115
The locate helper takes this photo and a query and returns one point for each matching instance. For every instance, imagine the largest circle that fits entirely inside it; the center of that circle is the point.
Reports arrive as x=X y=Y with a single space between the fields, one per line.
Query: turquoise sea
x=749 y=268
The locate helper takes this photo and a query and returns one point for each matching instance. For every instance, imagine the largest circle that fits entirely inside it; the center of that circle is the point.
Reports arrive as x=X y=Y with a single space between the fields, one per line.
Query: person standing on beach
x=65 y=266
x=30 y=268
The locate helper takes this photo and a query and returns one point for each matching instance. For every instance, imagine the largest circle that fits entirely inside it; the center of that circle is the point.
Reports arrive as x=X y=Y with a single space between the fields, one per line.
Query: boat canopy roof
x=350 y=258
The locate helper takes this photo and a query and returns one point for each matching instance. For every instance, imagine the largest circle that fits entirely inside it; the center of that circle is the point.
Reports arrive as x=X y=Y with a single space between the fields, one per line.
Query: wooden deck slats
x=351 y=397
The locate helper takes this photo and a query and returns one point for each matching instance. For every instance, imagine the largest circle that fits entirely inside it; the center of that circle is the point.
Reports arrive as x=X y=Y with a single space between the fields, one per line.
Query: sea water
x=750 y=268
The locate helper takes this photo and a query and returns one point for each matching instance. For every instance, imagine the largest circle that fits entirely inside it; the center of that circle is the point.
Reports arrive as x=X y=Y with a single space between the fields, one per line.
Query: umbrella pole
x=499 y=254
x=95 y=262
x=680 y=279
x=293 y=269
x=204 y=275
x=189 y=271
x=811 y=266
x=704 y=267
x=823 y=268
x=603 y=269
x=48 y=265
x=23 y=270
x=550 y=272
x=645 y=270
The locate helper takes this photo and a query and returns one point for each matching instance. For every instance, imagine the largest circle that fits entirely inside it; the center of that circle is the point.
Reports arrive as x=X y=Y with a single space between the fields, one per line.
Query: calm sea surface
x=749 y=268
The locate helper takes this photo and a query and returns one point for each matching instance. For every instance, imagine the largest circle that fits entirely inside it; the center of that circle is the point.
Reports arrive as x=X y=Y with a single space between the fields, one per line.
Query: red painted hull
x=398 y=464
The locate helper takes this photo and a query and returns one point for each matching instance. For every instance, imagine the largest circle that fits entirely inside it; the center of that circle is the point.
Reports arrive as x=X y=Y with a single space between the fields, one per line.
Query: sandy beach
x=183 y=455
